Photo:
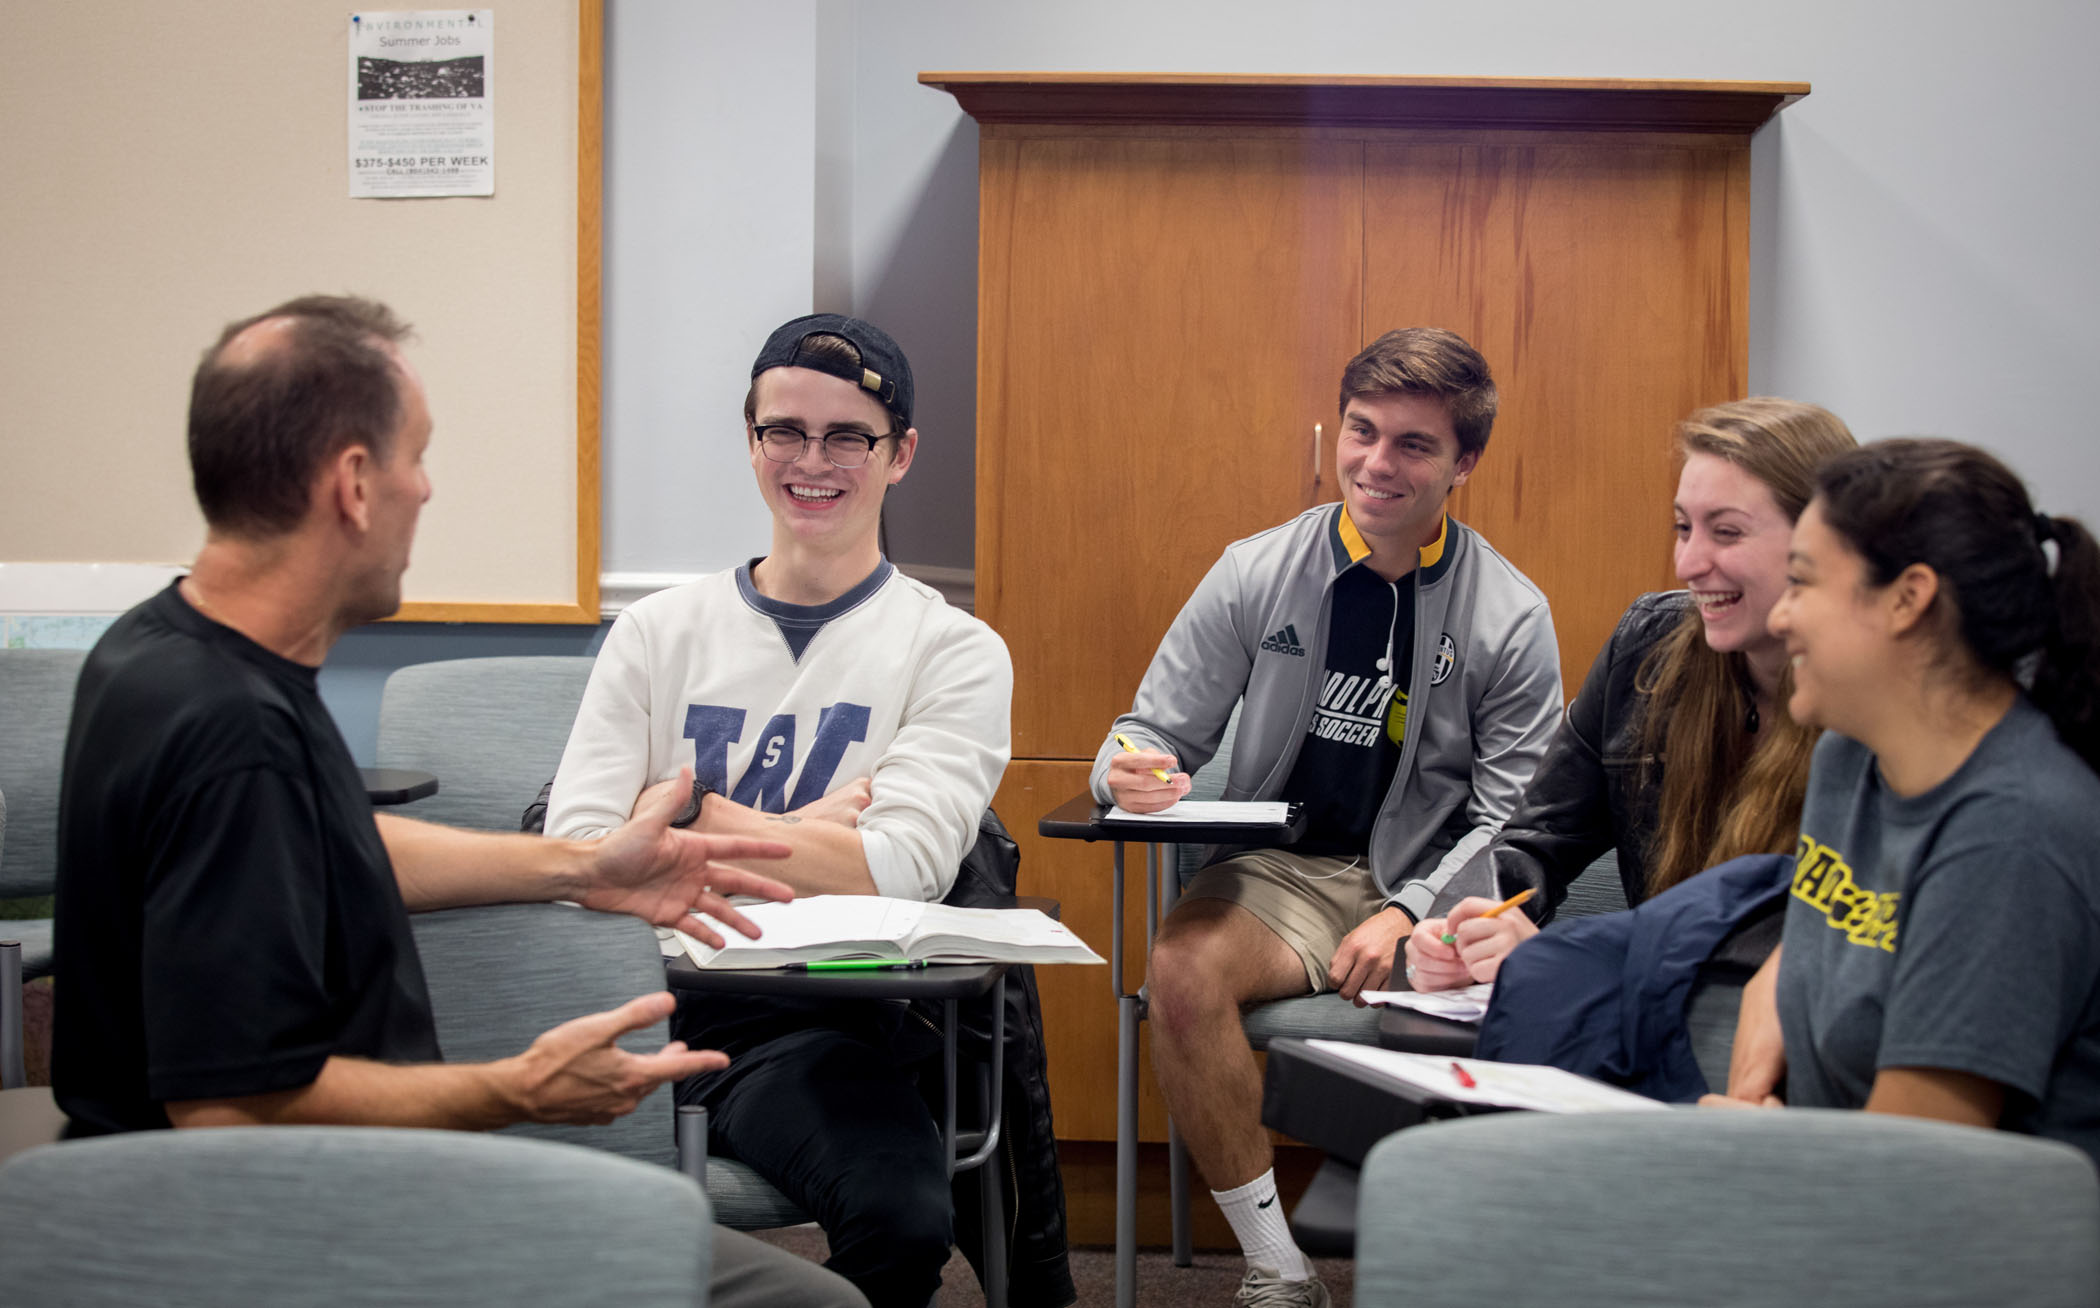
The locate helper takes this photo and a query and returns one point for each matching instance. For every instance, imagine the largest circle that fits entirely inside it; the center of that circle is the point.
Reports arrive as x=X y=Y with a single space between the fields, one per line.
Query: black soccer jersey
x=1352 y=740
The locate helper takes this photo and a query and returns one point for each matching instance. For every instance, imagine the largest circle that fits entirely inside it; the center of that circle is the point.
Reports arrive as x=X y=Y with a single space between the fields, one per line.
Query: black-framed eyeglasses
x=845 y=449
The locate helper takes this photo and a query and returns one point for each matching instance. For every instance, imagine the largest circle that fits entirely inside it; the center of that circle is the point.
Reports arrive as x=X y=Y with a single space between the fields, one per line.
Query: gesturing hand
x=575 y=1073
x=653 y=871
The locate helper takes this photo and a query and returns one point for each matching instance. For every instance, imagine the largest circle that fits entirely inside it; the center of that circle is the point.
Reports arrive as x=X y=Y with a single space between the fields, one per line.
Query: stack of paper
x=1501 y=1085
x=1210 y=812
x=1467 y=1004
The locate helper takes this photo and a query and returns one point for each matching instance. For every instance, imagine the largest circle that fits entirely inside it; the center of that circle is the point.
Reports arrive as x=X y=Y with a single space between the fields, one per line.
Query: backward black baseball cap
x=883 y=371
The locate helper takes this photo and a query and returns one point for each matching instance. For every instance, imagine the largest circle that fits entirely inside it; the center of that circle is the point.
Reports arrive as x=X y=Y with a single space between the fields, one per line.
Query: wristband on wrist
x=690 y=814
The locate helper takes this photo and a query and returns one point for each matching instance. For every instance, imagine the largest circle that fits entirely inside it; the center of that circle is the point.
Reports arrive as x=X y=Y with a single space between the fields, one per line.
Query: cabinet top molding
x=1532 y=103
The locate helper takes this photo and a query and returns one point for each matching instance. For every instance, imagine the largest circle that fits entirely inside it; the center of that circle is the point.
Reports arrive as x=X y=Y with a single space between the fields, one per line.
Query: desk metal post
x=691 y=1135
x=13 y=1074
x=1115 y=928
x=948 y=1082
x=1126 y=1152
x=1128 y=1013
x=1167 y=890
x=1151 y=901
x=1178 y=1196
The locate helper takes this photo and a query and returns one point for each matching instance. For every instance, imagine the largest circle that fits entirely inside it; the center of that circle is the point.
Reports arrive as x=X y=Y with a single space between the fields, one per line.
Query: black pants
x=825 y=1103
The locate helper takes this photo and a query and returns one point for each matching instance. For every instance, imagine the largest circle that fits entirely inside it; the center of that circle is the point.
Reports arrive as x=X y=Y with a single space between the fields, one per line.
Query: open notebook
x=824 y=927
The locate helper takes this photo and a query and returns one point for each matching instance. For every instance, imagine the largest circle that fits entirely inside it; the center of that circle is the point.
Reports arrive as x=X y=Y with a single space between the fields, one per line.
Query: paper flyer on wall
x=422 y=97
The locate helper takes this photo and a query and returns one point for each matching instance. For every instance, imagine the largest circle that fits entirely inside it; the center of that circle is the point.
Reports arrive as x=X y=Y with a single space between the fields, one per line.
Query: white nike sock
x=1258 y=1223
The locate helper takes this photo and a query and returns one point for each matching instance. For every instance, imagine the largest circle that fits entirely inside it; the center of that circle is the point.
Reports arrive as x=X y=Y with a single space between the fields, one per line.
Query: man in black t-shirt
x=232 y=932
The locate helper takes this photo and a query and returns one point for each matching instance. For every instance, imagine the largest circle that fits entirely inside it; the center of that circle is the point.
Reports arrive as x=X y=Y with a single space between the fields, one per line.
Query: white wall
x=710 y=221
x=1920 y=230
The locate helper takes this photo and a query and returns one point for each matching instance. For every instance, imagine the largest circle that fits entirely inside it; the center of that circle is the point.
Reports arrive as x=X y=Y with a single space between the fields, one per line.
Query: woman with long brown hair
x=1942 y=948
x=1678 y=750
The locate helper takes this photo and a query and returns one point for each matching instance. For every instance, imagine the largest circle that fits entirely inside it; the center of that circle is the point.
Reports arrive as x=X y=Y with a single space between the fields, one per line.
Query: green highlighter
x=858 y=965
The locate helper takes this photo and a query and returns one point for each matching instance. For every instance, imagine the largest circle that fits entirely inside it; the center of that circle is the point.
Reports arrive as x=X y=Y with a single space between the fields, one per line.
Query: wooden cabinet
x=1172 y=271
x=1161 y=323
x=1606 y=282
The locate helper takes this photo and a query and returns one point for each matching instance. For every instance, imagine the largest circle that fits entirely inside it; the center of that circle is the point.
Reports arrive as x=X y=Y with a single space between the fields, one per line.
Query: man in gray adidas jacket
x=1400 y=679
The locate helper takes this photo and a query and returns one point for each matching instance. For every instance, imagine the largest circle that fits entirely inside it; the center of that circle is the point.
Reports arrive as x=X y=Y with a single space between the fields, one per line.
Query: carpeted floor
x=1208 y=1284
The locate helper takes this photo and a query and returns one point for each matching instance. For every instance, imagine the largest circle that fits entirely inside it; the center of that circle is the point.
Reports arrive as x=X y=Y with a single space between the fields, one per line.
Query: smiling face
x=1833 y=628
x=815 y=504
x=1732 y=539
x=1398 y=458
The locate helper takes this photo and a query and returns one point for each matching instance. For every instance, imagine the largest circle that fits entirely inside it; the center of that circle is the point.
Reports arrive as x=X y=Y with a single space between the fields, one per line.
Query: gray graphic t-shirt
x=1958 y=929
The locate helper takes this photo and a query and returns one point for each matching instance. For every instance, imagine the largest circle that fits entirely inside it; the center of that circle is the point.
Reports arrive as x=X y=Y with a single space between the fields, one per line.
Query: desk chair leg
x=692 y=1142
x=1177 y=1154
x=1126 y=1150
x=948 y=1083
x=992 y=1211
x=13 y=1074
x=1178 y=1194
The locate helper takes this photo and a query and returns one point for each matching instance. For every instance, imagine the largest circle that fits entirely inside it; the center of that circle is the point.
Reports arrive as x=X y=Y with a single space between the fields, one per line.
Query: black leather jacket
x=1592 y=792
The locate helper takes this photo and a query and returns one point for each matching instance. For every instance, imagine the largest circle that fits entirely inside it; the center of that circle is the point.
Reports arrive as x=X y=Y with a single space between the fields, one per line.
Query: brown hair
x=1429 y=361
x=261 y=425
x=1965 y=515
x=1727 y=790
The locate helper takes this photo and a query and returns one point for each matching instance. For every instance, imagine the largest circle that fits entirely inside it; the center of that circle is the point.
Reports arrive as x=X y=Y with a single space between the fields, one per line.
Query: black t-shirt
x=1352 y=743
x=227 y=914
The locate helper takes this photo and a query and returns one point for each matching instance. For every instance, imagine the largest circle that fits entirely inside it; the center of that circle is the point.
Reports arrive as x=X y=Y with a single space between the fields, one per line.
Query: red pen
x=1465 y=1078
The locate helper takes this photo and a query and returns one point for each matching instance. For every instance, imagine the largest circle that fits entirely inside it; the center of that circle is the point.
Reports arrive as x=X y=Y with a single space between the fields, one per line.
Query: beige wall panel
x=175 y=167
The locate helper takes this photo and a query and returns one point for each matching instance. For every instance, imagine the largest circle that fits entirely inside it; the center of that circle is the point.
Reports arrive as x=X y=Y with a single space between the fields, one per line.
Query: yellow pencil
x=1512 y=902
x=1124 y=741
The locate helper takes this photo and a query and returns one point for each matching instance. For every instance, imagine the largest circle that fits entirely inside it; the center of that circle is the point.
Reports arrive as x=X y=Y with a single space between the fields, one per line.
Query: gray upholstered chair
x=36 y=703
x=492 y=730
x=502 y=974
x=1771 y=1209
x=345 y=1215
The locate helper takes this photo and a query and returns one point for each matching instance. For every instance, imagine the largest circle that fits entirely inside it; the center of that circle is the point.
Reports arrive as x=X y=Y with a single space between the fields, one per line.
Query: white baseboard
x=81 y=589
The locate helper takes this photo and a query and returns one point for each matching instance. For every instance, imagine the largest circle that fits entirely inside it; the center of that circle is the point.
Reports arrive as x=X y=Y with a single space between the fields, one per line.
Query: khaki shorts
x=1310 y=902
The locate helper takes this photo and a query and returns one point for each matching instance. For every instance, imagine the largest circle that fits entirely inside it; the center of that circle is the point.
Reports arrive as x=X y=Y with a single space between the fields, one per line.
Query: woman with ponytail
x=1677 y=751
x=1942 y=942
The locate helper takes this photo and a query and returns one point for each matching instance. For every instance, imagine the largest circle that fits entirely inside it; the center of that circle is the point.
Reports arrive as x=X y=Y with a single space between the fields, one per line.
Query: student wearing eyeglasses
x=825 y=699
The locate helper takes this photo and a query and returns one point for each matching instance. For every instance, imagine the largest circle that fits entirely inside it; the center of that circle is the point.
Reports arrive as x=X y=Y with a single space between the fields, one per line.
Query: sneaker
x=1263 y=1288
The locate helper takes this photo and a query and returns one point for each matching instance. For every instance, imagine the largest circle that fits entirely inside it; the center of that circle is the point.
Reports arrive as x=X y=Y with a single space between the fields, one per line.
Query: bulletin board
x=173 y=168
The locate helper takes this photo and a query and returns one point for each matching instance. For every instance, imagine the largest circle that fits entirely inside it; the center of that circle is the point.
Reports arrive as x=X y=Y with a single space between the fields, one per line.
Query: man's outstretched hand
x=575 y=1073
x=656 y=872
